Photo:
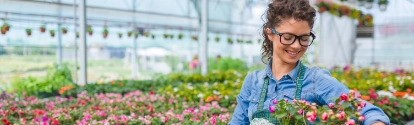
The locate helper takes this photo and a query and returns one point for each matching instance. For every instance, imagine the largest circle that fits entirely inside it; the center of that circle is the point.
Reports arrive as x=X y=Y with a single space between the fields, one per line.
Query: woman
x=287 y=35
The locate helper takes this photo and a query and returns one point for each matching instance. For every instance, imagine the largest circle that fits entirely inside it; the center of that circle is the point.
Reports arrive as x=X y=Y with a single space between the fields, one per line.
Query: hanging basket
x=129 y=33
x=52 y=33
x=64 y=30
x=136 y=34
x=180 y=36
x=120 y=35
x=29 y=32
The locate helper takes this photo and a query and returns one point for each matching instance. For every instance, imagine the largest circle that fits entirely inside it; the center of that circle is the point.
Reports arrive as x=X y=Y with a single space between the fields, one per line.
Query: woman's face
x=289 y=54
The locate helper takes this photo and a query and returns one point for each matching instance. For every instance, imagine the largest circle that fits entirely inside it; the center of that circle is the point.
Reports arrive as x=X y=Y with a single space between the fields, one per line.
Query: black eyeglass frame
x=296 y=37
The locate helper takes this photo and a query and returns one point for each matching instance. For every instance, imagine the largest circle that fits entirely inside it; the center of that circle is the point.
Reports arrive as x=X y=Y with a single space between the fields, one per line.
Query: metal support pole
x=83 y=45
x=134 y=49
x=203 y=41
x=59 y=35
x=76 y=42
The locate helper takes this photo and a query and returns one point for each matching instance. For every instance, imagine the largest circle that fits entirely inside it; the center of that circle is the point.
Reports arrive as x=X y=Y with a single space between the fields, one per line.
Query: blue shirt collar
x=292 y=74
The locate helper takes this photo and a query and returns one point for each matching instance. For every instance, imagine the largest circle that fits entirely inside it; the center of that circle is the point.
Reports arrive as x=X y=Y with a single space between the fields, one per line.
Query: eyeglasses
x=289 y=39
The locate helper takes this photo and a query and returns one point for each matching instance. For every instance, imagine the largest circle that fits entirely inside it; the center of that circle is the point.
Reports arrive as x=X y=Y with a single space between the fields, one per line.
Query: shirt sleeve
x=240 y=113
x=327 y=87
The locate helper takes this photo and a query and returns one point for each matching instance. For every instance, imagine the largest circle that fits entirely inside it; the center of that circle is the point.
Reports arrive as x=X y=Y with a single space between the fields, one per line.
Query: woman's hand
x=378 y=123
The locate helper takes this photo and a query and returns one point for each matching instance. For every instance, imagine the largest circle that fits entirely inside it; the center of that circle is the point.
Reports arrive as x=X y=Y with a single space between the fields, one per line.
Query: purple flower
x=271 y=109
x=286 y=100
x=275 y=102
x=45 y=119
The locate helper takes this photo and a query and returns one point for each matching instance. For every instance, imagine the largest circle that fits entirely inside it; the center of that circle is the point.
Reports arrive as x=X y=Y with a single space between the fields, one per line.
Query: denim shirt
x=318 y=87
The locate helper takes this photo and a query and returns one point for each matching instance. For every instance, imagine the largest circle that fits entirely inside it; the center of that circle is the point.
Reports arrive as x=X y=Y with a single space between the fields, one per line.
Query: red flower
x=13 y=108
x=371 y=91
x=5 y=121
x=55 y=122
x=152 y=92
x=373 y=96
x=344 y=97
x=396 y=104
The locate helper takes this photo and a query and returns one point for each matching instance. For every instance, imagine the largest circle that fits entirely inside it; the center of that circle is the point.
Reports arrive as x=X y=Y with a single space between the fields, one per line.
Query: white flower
x=260 y=121
x=200 y=95
x=175 y=89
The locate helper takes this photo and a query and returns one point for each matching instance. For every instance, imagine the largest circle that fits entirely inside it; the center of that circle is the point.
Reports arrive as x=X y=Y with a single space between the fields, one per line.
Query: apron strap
x=299 y=81
x=298 y=91
x=263 y=93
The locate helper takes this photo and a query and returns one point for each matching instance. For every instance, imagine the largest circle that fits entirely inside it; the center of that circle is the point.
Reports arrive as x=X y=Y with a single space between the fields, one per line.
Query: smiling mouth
x=292 y=53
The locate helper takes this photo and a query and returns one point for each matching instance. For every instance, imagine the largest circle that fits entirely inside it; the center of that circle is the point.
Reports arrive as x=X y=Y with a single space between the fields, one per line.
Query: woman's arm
x=240 y=113
x=328 y=87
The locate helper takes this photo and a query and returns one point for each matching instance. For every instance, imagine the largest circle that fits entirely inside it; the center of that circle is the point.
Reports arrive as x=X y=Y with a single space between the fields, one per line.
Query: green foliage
x=54 y=80
x=225 y=64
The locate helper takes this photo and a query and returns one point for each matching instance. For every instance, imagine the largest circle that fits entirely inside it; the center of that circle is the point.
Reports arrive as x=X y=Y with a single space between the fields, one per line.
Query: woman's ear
x=269 y=34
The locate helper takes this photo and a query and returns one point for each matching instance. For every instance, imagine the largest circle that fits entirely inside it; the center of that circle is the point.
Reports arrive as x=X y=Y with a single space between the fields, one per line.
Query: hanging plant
x=42 y=28
x=171 y=36
x=195 y=38
x=120 y=35
x=383 y=4
x=322 y=6
x=77 y=34
x=165 y=35
x=239 y=41
x=369 y=4
x=64 y=30
x=146 y=34
x=90 y=31
x=52 y=33
x=180 y=36
x=229 y=41
x=29 y=32
x=217 y=39
x=3 y=30
x=105 y=32
x=6 y=26
x=153 y=36
x=129 y=33
x=259 y=40
x=136 y=34
x=249 y=42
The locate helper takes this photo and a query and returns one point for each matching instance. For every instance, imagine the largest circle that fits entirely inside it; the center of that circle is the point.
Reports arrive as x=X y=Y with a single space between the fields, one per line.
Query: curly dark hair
x=279 y=10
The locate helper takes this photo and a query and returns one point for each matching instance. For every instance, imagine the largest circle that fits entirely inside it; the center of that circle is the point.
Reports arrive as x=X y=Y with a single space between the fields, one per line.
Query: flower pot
x=322 y=9
x=64 y=31
x=6 y=28
x=105 y=35
x=129 y=34
x=29 y=33
x=120 y=36
x=369 y=5
x=3 y=32
x=383 y=7
x=90 y=33
x=52 y=35
x=42 y=29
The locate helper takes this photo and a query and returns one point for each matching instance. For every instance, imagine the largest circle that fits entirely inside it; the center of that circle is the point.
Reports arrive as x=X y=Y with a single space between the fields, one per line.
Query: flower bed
x=132 y=108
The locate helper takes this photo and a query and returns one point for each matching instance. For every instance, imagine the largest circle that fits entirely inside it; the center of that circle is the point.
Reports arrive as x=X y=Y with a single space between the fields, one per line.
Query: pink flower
x=311 y=116
x=331 y=105
x=213 y=120
x=272 y=109
x=363 y=104
x=275 y=102
x=341 y=116
x=294 y=101
x=343 y=97
x=324 y=117
x=395 y=104
x=350 y=122
x=361 y=118
x=300 y=111
x=286 y=100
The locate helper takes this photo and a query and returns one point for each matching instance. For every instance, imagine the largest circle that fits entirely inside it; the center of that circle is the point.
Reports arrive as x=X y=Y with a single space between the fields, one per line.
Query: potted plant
x=249 y=41
x=217 y=39
x=3 y=30
x=6 y=26
x=120 y=35
x=383 y=4
x=195 y=38
x=165 y=36
x=153 y=36
x=239 y=41
x=369 y=4
x=90 y=31
x=136 y=34
x=146 y=34
x=171 y=36
x=180 y=36
x=42 y=28
x=77 y=34
x=64 y=30
x=229 y=41
x=129 y=33
x=322 y=6
x=52 y=33
x=105 y=32
x=28 y=31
